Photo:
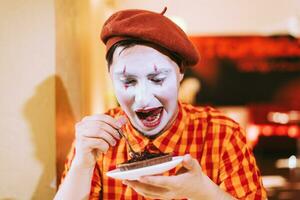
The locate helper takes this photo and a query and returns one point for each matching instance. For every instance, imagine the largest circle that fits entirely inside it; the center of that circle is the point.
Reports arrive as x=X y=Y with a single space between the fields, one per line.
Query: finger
x=182 y=170
x=92 y=143
x=190 y=163
x=99 y=125
x=159 y=181
x=97 y=153
x=117 y=124
x=122 y=120
x=99 y=134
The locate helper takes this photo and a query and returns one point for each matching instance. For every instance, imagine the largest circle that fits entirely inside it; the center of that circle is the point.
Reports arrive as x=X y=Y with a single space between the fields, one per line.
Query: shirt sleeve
x=239 y=174
x=96 y=179
x=96 y=184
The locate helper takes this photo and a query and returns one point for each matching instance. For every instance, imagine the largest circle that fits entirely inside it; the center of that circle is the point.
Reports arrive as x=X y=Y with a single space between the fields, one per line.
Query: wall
x=82 y=83
x=228 y=16
x=69 y=97
x=27 y=107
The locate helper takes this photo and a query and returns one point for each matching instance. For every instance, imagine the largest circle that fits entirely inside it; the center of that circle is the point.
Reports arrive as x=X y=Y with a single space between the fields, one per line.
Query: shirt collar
x=165 y=142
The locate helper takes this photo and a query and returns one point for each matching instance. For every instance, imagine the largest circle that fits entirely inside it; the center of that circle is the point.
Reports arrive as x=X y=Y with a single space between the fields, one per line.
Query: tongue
x=151 y=117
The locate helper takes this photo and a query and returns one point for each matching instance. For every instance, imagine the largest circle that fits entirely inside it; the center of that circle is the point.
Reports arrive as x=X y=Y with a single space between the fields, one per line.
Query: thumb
x=191 y=164
x=122 y=120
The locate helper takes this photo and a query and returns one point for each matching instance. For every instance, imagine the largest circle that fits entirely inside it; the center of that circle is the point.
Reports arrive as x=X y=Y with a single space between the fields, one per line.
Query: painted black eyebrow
x=152 y=75
x=126 y=74
x=164 y=71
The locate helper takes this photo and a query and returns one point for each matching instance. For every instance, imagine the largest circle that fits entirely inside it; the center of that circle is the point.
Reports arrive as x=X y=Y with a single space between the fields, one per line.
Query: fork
x=132 y=152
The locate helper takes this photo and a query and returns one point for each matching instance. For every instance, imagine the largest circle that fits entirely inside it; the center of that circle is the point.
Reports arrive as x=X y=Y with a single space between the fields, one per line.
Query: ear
x=181 y=75
x=181 y=72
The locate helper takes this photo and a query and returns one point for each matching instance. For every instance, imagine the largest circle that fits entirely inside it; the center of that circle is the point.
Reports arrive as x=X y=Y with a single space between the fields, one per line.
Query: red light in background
x=293 y=131
x=267 y=130
x=252 y=134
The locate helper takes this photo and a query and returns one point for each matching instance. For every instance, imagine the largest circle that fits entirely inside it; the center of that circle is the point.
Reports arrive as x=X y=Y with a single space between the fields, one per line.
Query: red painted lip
x=146 y=123
x=147 y=110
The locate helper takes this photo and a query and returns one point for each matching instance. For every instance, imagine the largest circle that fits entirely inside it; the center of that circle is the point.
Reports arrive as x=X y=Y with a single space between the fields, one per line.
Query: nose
x=143 y=95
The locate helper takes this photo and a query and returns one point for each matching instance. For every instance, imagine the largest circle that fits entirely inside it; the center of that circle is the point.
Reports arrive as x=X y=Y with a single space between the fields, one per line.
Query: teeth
x=156 y=117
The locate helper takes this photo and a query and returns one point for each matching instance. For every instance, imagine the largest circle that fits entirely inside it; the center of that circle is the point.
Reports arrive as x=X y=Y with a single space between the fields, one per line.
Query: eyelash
x=157 y=80
x=131 y=82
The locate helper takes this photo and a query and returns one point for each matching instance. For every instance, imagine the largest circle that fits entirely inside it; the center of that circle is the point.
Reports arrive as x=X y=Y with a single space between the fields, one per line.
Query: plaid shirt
x=217 y=142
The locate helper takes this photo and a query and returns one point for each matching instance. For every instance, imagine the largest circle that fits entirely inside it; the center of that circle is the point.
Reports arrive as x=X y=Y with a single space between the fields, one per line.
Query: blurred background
x=53 y=72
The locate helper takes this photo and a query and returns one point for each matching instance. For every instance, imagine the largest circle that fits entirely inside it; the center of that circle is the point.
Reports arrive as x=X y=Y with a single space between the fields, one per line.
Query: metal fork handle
x=127 y=141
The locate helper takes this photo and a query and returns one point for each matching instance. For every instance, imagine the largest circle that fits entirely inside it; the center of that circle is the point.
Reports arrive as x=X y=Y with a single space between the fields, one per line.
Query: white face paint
x=146 y=84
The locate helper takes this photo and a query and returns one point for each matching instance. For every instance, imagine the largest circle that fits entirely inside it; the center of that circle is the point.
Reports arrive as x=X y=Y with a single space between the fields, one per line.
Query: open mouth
x=150 y=117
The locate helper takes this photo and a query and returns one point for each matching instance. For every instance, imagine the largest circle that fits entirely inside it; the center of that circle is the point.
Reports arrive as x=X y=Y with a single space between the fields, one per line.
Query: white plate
x=134 y=174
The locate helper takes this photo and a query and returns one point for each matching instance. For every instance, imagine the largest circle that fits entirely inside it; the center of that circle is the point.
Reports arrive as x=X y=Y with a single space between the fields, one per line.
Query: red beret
x=151 y=27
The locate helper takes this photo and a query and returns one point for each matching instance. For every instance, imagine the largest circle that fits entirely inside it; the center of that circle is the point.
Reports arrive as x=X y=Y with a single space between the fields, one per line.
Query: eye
x=158 y=80
x=129 y=82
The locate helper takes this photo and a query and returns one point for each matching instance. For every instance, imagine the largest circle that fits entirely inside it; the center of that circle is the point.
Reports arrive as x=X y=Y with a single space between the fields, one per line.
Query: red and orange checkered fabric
x=217 y=142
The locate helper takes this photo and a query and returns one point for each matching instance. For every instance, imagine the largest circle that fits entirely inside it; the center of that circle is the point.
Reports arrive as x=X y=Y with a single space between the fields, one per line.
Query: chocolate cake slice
x=144 y=159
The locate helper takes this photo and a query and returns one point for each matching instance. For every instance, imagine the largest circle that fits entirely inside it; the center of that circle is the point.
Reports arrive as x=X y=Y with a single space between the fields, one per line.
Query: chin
x=150 y=131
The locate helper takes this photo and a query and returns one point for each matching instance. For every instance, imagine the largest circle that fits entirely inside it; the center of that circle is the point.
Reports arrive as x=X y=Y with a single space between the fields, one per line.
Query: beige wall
x=51 y=60
x=82 y=84
x=27 y=67
x=80 y=55
x=228 y=16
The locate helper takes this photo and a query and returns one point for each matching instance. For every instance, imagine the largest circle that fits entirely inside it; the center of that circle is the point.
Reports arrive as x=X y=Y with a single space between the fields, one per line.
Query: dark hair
x=132 y=42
